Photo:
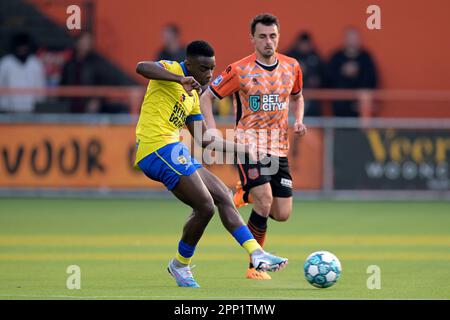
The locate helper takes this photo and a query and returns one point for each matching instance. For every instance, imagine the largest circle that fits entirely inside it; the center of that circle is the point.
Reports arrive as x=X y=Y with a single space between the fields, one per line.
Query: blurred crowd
x=27 y=66
x=350 y=67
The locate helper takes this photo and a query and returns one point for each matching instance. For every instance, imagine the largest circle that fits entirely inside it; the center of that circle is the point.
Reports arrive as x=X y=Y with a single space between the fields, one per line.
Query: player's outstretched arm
x=217 y=143
x=206 y=105
x=152 y=71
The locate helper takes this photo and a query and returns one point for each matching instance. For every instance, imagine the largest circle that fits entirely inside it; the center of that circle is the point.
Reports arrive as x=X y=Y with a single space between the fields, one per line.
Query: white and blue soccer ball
x=322 y=269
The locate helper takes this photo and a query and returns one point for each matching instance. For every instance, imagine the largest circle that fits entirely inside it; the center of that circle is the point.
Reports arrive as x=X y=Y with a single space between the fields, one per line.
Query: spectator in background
x=86 y=68
x=172 y=48
x=53 y=61
x=304 y=51
x=21 y=69
x=351 y=67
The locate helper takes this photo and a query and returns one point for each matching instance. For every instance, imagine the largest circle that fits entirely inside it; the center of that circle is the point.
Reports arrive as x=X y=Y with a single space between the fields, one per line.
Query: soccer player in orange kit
x=262 y=85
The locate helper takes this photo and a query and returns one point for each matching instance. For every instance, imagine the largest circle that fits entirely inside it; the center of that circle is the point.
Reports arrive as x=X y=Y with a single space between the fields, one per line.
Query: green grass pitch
x=122 y=248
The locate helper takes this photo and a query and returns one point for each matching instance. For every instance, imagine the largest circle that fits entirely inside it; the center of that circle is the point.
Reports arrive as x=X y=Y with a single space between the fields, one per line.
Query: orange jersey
x=261 y=100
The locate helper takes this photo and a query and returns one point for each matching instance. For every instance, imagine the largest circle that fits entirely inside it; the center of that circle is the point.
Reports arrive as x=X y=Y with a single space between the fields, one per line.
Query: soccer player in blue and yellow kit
x=172 y=101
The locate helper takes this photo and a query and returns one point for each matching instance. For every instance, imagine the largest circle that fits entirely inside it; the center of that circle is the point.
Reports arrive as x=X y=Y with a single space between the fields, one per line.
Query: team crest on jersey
x=254 y=102
x=253 y=173
x=182 y=98
x=182 y=160
x=217 y=81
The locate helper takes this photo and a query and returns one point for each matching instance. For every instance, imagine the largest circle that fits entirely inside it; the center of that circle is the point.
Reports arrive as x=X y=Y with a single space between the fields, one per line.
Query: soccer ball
x=322 y=269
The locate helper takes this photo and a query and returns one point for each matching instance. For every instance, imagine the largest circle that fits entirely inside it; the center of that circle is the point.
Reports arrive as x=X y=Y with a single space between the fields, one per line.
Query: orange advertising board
x=101 y=156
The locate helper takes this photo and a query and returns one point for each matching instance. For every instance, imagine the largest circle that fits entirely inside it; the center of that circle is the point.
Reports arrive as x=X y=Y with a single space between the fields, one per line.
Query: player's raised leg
x=222 y=196
x=234 y=223
x=173 y=166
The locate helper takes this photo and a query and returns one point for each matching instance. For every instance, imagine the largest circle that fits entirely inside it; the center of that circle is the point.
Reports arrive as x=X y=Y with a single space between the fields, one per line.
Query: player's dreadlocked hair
x=266 y=19
x=199 y=48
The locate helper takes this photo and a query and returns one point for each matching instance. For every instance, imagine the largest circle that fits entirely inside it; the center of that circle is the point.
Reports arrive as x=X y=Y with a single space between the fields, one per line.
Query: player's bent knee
x=263 y=202
x=282 y=217
x=223 y=197
x=209 y=209
x=205 y=207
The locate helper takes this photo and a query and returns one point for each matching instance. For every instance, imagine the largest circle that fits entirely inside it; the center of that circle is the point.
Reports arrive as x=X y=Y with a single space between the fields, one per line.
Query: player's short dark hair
x=199 y=48
x=266 y=19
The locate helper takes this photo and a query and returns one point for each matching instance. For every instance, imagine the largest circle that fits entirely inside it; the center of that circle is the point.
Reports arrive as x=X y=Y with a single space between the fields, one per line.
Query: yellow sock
x=182 y=259
x=251 y=245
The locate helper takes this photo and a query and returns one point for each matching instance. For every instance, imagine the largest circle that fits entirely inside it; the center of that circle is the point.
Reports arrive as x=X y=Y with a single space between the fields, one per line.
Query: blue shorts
x=169 y=163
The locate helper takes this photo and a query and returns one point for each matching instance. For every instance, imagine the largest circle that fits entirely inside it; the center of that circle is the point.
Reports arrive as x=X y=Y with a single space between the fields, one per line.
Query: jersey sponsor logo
x=217 y=81
x=253 y=173
x=178 y=116
x=265 y=102
x=252 y=75
x=286 y=183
